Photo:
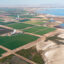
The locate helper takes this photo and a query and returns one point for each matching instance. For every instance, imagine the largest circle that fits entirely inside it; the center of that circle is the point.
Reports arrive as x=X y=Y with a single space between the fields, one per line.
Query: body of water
x=52 y=11
x=62 y=25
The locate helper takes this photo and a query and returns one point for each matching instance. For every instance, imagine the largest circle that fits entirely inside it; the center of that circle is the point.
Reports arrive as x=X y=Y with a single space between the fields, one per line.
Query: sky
x=20 y=3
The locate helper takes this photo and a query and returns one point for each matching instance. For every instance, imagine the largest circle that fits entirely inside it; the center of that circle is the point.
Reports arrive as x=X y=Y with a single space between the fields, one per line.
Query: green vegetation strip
x=17 y=40
x=2 y=51
x=19 y=25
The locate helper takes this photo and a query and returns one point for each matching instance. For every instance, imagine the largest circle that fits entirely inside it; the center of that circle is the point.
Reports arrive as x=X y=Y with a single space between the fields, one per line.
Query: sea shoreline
x=57 y=12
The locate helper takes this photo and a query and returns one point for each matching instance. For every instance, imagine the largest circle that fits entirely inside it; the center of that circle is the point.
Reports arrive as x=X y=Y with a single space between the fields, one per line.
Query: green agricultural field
x=1 y=20
x=20 y=25
x=6 y=23
x=35 y=29
x=35 y=22
x=24 y=20
x=28 y=16
x=17 y=40
x=12 y=16
x=39 y=30
x=42 y=32
x=32 y=54
x=12 y=58
x=40 y=23
x=2 y=51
